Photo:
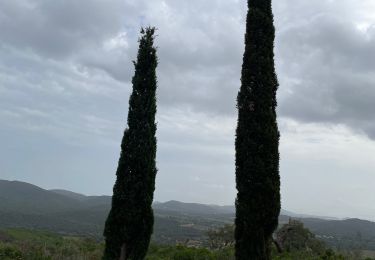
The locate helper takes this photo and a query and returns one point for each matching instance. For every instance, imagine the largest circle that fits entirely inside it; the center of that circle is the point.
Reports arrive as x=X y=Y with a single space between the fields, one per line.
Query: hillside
x=24 y=205
x=23 y=197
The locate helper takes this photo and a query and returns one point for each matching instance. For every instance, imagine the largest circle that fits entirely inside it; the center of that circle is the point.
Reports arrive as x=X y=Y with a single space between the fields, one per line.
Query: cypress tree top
x=257 y=138
x=130 y=222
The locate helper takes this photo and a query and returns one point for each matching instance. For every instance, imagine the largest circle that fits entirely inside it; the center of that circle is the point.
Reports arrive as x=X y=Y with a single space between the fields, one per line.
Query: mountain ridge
x=23 y=205
x=77 y=199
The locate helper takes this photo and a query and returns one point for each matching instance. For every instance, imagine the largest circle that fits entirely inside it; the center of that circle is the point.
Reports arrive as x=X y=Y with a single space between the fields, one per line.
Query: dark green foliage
x=9 y=253
x=130 y=221
x=294 y=237
x=257 y=138
x=297 y=242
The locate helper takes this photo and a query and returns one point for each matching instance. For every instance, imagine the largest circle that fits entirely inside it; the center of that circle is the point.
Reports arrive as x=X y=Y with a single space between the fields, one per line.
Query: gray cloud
x=65 y=80
x=58 y=29
x=327 y=69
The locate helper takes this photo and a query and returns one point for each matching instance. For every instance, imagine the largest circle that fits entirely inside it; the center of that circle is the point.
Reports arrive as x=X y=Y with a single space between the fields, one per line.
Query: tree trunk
x=123 y=252
x=278 y=246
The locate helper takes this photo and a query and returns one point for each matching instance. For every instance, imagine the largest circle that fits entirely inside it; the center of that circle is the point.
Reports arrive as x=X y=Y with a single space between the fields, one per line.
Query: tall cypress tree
x=257 y=138
x=130 y=222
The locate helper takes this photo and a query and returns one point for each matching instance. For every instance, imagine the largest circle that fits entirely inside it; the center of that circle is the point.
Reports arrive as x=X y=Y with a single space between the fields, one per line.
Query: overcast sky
x=65 y=72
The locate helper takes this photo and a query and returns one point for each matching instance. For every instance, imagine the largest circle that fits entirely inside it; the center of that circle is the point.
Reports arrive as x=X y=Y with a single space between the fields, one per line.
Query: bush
x=9 y=253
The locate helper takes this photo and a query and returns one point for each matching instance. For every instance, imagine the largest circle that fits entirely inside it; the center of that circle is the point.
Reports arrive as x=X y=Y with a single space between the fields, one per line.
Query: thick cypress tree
x=257 y=138
x=130 y=222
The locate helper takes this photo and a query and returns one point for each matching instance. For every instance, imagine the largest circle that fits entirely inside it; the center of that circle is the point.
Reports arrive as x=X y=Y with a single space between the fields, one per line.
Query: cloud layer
x=65 y=80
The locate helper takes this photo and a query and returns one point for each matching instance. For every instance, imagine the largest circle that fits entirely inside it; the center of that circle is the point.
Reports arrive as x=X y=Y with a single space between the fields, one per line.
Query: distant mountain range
x=25 y=205
x=26 y=198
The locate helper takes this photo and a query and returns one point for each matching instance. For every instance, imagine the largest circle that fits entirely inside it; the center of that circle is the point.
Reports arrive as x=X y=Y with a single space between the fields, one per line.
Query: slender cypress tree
x=257 y=138
x=130 y=222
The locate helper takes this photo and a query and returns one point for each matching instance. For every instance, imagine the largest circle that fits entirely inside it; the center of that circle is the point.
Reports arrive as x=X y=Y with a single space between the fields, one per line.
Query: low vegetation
x=297 y=243
x=40 y=245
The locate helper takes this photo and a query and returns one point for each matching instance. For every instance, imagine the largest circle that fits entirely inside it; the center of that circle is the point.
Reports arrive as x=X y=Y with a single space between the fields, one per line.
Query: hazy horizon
x=65 y=81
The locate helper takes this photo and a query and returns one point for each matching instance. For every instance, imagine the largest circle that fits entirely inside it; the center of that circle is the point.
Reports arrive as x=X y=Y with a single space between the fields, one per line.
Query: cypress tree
x=129 y=224
x=257 y=138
